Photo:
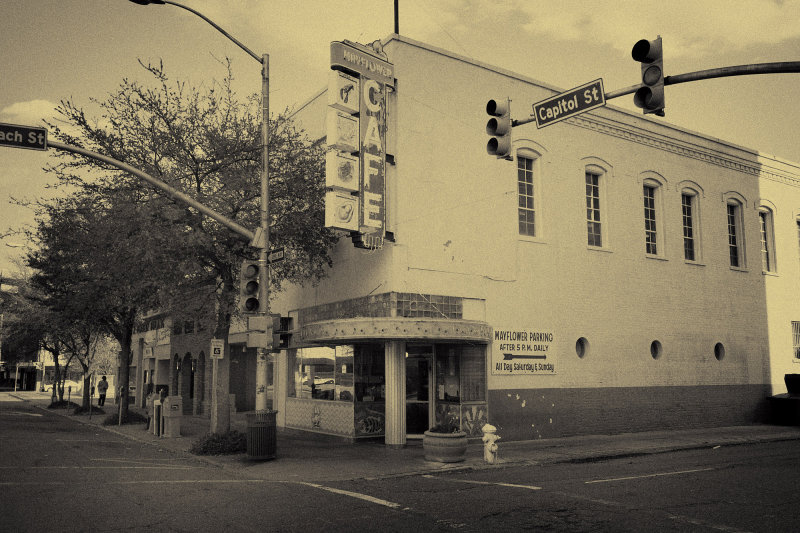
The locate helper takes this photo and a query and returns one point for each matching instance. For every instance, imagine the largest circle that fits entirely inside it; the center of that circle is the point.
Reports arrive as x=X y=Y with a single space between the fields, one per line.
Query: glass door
x=419 y=407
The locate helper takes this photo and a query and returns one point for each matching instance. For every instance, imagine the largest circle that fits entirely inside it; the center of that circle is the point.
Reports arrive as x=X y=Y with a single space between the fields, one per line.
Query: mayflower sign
x=523 y=350
x=355 y=169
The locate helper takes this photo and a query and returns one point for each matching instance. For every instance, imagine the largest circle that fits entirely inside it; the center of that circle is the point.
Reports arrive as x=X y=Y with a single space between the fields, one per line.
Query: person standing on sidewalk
x=102 y=387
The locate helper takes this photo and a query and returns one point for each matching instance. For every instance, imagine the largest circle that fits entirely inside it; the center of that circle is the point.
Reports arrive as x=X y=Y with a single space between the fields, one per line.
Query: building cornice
x=684 y=149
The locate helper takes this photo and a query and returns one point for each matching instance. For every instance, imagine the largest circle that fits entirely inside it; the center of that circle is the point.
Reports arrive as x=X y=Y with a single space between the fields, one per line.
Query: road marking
x=644 y=476
x=20 y=413
x=511 y=485
x=356 y=495
x=95 y=441
x=59 y=467
x=154 y=482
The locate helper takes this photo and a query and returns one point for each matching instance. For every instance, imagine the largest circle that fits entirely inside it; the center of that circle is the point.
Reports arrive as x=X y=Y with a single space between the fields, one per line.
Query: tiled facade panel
x=335 y=418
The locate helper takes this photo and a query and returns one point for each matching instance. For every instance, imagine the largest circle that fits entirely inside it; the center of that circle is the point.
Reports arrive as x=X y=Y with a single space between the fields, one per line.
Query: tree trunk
x=124 y=373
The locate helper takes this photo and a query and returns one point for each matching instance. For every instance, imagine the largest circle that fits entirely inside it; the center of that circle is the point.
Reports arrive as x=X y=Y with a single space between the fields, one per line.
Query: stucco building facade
x=619 y=274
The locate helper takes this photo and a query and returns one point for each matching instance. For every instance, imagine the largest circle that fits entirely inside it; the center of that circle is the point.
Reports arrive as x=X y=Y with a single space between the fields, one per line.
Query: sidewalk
x=315 y=458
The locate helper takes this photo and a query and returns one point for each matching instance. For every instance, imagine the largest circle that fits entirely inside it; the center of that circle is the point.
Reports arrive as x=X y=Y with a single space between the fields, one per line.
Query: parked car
x=68 y=383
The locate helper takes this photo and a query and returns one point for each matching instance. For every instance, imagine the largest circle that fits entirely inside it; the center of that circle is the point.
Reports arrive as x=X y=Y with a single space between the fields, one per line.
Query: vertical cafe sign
x=355 y=169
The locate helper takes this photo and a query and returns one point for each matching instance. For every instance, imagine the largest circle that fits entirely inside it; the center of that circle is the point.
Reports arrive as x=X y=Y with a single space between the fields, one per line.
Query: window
x=735 y=237
x=689 y=216
x=767 y=240
x=798 y=234
x=796 y=339
x=527 y=212
x=650 y=229
x=593 y=223
x=323 y=373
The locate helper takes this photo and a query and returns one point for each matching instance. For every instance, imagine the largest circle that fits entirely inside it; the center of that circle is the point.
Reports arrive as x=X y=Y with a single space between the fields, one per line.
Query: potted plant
x=445 y=442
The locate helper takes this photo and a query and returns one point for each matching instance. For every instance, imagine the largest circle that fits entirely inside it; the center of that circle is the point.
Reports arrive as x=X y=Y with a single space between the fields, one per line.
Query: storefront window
x=448 y=388
x=370 y=376
x=473 y=374
x=322 y=373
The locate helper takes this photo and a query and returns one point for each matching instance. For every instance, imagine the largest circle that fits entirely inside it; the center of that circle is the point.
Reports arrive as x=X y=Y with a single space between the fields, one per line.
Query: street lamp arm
x=172 y=192
x=218 y=28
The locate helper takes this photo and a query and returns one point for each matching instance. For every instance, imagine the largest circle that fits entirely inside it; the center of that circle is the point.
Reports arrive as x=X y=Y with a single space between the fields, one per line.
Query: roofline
x=556 y=90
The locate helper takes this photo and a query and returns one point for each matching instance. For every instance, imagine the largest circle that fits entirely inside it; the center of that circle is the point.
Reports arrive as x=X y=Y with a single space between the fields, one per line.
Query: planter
x=444 y=447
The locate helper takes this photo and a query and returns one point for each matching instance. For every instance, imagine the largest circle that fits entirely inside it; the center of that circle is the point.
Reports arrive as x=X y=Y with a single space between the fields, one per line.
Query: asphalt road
x=58 y=474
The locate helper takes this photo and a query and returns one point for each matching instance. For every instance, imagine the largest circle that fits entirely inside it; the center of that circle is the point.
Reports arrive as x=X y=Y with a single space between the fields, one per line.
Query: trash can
x=172 y=413
x=262 y=436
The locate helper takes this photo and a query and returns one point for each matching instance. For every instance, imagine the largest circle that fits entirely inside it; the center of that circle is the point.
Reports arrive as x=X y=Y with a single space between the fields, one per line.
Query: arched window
x=527 y=191
x=767 y=231
x=652 y=187
x=734 y=207
x=529 y=188
x=690 y=221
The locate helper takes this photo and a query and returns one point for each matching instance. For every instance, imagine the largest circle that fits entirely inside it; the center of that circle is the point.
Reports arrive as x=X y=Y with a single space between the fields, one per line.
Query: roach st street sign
x=23 y=136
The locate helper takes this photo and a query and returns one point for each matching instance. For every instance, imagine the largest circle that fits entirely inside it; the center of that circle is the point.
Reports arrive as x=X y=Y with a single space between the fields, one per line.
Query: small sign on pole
x=217 y=348
x=276 y=255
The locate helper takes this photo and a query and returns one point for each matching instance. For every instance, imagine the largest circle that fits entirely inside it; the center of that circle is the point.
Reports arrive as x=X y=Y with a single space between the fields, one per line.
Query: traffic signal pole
x=784 y=67
x=171 y=191
x=722 y=72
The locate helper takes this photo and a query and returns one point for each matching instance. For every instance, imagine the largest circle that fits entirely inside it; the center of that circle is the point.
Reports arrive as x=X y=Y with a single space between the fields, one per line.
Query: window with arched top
x=734 y=207
x=690 y=222
x=528 y=193
x=766 y=219
x=652 y=192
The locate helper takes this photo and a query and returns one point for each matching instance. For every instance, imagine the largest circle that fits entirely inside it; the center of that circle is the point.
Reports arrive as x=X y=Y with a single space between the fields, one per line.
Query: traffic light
x=250 y=287
x=650 y=97
x=499 y=127
x=280 y=332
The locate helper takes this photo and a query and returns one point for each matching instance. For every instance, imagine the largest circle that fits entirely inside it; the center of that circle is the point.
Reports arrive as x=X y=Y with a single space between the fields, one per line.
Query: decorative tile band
x=354 y=329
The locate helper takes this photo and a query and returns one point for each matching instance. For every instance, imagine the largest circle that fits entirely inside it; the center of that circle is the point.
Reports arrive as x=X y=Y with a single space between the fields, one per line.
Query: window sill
x=739 y=269
x=656 y=257
x=533 y=240
x=695 y=263
x=599 y=249
x=766 y=273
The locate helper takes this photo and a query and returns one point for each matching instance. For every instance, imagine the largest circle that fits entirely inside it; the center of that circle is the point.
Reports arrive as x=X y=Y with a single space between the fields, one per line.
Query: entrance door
x=419 y=374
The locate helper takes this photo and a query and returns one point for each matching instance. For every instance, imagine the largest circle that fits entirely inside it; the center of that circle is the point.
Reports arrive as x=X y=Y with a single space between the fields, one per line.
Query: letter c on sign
x=372 y=91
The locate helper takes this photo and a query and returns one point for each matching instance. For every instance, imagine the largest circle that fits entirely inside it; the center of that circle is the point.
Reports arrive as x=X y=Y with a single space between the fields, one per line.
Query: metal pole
x=261 y=355
x=172 y=192
x=722 y=72
x=261 y=238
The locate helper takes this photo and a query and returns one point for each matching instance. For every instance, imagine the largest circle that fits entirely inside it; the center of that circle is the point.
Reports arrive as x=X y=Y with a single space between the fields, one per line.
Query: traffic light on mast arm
x=499 y=127
x=250 y=288
x=650 y=97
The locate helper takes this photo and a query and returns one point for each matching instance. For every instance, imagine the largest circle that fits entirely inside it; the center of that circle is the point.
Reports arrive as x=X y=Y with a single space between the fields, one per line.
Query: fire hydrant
x=490 y=438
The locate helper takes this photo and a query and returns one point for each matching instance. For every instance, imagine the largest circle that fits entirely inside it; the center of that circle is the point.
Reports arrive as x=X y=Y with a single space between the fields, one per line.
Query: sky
x=54 y=50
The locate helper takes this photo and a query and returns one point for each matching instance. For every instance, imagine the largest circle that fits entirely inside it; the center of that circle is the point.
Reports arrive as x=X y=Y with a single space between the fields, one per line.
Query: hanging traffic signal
x=650 y=97
x=250 y=288
x=499 y=127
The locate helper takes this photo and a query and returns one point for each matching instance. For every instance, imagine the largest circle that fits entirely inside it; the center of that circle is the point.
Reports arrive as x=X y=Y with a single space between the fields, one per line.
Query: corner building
x=619 y=274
